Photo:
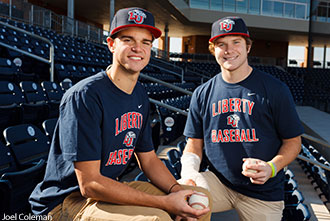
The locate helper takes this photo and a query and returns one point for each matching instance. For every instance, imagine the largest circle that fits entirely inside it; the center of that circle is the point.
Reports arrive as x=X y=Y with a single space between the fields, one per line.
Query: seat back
x=33 y=92
x=49 y=127
x=174 y=160
x=27 y=143
x=16 y=187
x=10 y=94
x=7 y=163
x=52 y=90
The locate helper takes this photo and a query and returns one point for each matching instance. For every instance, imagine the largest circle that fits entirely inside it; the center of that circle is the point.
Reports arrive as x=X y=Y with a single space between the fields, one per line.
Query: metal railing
x=28 y=13
x=51 y=49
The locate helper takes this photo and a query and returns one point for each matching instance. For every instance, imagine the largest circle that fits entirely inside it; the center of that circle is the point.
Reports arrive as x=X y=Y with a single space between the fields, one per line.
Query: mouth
x=136 y=58
x=230 y=58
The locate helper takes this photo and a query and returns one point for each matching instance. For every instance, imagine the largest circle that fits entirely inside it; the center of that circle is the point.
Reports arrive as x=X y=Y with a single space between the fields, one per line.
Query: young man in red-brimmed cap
x=103 y=120
x=241 y=116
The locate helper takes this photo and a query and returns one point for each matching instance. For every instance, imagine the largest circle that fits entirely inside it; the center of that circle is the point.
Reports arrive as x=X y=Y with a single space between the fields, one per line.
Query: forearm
x=159 y=175
x=96 y=186
x=108 y=190
x=288 y=152
x=194 y=146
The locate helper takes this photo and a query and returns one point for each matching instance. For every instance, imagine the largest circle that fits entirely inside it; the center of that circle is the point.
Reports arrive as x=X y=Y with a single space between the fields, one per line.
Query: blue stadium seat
x=66 y=84
x=141 y=177
x=36 y=100
x=174 y=160
x=11 y=112
x=27 y=143
x=17 y=183
x=297 y=212
x=49 y=127
x=16 y=187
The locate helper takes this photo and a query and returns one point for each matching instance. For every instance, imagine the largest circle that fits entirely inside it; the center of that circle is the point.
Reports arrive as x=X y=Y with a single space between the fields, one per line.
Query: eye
x=148 y=43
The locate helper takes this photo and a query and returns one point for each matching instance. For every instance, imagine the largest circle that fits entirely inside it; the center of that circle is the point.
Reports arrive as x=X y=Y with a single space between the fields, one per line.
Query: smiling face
x=231 y=53
x=131 y=49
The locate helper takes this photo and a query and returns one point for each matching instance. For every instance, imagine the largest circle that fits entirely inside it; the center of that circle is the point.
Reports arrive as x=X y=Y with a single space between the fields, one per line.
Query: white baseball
x=198 y=200
x=249 y=161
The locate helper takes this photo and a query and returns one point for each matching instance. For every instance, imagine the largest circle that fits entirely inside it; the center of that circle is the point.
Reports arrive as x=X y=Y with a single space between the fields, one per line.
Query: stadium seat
x=290 y=185
x=49 y=127
x=11 y=112
x=141 y=177
x=7 y=69
x=181 y=145
x=54 y=95
x=174 y=160
x=7 y=163
x=27 y=144
x=16 y=187
x=36 y=108
x=293 y=197
x=66 y=84
x=297 y=212
x=170 y=168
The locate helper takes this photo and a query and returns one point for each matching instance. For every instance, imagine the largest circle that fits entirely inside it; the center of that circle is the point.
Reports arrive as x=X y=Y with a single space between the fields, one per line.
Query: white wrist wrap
x=190 y=165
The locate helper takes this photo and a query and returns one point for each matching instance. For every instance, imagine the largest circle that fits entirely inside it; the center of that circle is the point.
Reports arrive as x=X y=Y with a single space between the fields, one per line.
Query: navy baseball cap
x=134 y=17
x=228 y=26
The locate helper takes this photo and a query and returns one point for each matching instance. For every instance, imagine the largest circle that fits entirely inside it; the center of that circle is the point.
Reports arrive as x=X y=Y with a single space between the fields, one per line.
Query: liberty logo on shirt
x=233 y=106
x=129 y=138
x=233 y=120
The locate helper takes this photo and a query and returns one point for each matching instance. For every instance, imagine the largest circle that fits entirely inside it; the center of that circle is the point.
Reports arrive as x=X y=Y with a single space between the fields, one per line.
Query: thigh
x=76 y=207
x=250 y=209
x=222 y=196
x=101 y=211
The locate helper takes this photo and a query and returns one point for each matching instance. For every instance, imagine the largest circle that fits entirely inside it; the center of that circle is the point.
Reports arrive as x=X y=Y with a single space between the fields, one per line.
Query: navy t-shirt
x=97 y=121
x=246 y=119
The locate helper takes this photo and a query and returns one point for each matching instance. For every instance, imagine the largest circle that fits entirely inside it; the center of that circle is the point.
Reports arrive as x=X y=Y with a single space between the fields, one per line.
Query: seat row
x=22 y=164
x=29 y=102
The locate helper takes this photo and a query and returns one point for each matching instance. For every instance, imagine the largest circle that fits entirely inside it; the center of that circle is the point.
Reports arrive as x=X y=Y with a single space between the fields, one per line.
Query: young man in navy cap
x=246 y=122
x=104 y=119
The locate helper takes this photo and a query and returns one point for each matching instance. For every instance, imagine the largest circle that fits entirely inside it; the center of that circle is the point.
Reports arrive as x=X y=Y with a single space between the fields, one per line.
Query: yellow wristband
x=274 y=169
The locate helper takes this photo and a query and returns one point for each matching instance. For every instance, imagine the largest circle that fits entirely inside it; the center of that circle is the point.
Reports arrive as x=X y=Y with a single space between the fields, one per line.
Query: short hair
x=248 y=42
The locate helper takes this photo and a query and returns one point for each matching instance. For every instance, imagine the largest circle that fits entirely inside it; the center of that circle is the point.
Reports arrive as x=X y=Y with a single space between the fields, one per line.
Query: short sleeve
x=79 y=127
x=194 y=123
x=286 y=119
x=144 y=143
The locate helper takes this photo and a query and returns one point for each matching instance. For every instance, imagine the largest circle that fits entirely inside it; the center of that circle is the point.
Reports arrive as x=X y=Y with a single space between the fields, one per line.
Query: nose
x=137 y=47
x=228 y=49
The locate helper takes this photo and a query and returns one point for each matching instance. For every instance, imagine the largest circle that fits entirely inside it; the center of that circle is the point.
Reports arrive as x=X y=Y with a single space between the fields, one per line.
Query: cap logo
x=227 y=25
x=137 y=16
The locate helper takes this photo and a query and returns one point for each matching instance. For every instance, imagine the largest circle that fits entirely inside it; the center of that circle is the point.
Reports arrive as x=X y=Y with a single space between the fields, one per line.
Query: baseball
x=198 y=200
x=249 y=161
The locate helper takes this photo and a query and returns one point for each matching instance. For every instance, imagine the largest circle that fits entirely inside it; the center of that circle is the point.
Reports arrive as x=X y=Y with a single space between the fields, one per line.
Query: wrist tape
x=190 y=165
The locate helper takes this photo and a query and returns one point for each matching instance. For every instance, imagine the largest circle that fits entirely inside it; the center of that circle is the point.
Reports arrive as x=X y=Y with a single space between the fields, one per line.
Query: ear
x=249 y=48
x=111 y=44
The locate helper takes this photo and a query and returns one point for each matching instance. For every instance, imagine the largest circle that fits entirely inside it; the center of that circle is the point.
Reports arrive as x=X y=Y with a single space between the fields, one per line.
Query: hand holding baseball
x=257 y=170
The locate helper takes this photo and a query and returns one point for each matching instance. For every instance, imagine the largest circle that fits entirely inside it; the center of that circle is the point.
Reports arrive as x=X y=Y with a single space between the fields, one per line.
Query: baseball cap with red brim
x=134 y=17
x=228 y=26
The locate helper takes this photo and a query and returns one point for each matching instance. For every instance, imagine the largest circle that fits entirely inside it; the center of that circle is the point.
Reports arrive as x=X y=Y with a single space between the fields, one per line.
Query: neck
x=236 y=75
x=123 y=80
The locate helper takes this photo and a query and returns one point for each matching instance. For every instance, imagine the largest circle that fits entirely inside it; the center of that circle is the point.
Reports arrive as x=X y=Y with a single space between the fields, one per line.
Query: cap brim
x=154 y=31
x=237 y=33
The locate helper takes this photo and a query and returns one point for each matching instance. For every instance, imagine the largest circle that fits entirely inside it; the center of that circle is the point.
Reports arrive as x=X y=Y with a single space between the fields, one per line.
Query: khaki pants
x=248 y=208
x=76 y=207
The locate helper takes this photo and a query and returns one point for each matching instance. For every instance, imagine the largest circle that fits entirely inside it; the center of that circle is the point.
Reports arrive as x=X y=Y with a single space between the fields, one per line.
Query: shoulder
x=86 y=87
x=269 y=80
x=204 y=89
